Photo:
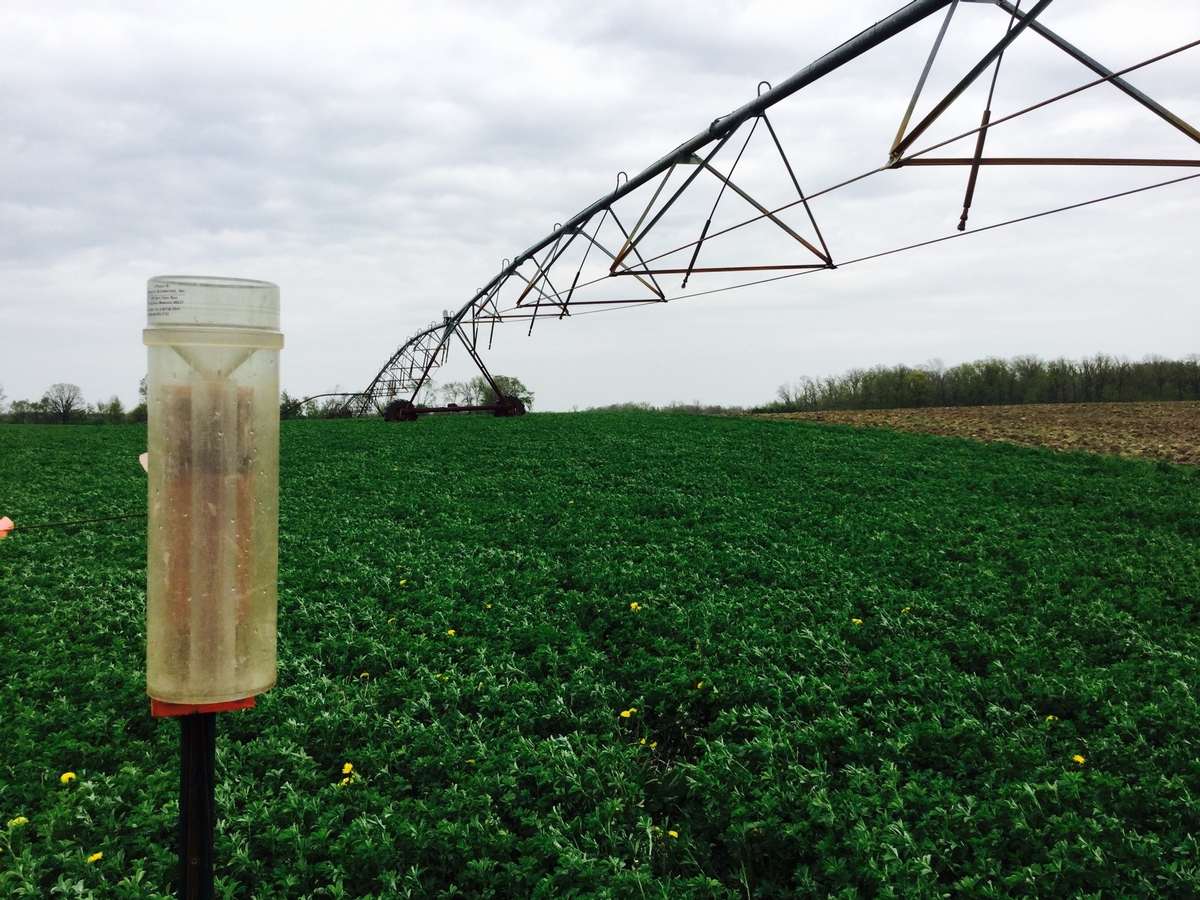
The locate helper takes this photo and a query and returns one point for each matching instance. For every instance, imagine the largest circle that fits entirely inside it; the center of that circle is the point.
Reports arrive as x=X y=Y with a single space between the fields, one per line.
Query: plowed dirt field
x=1166 y=431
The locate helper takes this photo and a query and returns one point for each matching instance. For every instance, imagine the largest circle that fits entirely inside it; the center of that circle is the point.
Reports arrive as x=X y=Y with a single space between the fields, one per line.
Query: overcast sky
x=378 y=161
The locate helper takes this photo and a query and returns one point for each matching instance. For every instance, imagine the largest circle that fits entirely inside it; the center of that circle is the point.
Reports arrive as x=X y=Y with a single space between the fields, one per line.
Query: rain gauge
x=213 y=531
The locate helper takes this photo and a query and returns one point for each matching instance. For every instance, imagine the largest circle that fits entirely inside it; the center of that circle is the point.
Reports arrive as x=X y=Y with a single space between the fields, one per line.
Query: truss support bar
x=883 y=30
x=479 y=362
x=1045 y=161
x=1155 y=107
x=969 y=79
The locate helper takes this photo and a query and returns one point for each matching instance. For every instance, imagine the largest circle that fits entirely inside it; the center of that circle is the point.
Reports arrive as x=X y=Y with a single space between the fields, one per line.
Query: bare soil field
x=1156 y=431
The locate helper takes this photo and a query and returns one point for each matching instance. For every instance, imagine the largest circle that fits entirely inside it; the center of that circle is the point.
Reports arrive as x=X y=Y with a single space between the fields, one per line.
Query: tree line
x=985 y=382
x=64 y=404
x=995 y=382
x=475 y=392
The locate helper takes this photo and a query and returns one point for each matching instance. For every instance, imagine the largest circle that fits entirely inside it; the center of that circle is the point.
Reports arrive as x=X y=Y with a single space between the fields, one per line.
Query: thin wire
x=1062 y=96
x=959 y=137
x=79 y=522
x=1048 y=212
x=957 y=234
x=646 y=262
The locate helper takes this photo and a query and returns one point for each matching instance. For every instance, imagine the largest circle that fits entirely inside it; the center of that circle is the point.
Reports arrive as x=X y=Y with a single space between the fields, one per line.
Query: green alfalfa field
x=629 y=655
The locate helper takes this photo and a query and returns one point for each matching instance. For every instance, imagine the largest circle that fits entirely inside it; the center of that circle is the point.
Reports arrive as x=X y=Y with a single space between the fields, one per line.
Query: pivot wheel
x=400 y=411
x=511 y=406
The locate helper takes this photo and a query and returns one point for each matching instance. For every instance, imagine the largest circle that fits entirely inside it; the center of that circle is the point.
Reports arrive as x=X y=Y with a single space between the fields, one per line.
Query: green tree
x=138 y=413
x=477 y=391
x=290 y=407
x=63 y=400
x=112 y=412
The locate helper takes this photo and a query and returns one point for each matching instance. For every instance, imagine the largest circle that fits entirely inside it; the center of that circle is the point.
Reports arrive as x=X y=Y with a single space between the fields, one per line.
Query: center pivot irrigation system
x=596 y=259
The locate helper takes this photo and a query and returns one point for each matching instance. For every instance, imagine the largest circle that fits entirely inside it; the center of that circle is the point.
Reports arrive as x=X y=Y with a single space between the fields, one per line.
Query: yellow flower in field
x=569 y=502
x=489 y=606
x=404 y=581
x=906 y=609
x=1051 y=718
x=390 y=621
x=1079 y=759
x=856 y=621
x=365 y=675
x=95 y=857
x=673 y=834
x=347 y=768
x=471 y=762
x=653 y=744
x=699 y=684
x=19 y=820
x=626 y=713
x=344 y=782
x=635 y=606
x=66 y=777
x=643 y=740
x=450 y=631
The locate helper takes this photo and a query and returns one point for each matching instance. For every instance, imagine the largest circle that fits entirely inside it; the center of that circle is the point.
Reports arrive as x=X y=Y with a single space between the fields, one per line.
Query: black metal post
x=197 y=804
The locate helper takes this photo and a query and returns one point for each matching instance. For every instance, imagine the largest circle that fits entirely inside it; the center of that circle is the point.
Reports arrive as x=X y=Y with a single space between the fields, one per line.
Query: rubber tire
x=400 y=411
x=513 y=406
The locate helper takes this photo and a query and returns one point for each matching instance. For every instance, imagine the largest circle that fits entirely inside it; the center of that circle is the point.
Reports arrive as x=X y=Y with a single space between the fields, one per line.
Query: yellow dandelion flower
x=1079 y=759
x=489 y=606
x=643 y=740
x=624 y=714
x=653 y=744
x=569 y=502
x=673 y=834
x=635 y=606
x=1051 y=718
x=365 y=675
x=906 y=609
x=699 y=684
x=344 y=782
x=19 y=820
x=450 y=631
x=856 y=621
x=66 y=777
x=347 y=768
x=96 y=857
x=404 y=581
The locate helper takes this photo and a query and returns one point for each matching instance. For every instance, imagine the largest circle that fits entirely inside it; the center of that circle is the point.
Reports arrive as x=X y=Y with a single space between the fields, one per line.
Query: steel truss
x=572 y=270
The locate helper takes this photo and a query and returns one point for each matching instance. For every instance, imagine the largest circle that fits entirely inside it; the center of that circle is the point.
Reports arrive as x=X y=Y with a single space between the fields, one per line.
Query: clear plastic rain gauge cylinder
x=213 y=411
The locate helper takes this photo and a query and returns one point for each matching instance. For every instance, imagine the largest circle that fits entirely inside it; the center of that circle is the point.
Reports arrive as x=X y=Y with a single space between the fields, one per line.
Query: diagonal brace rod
x=766 y=212
x=1152 y=105
x=967 y=80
